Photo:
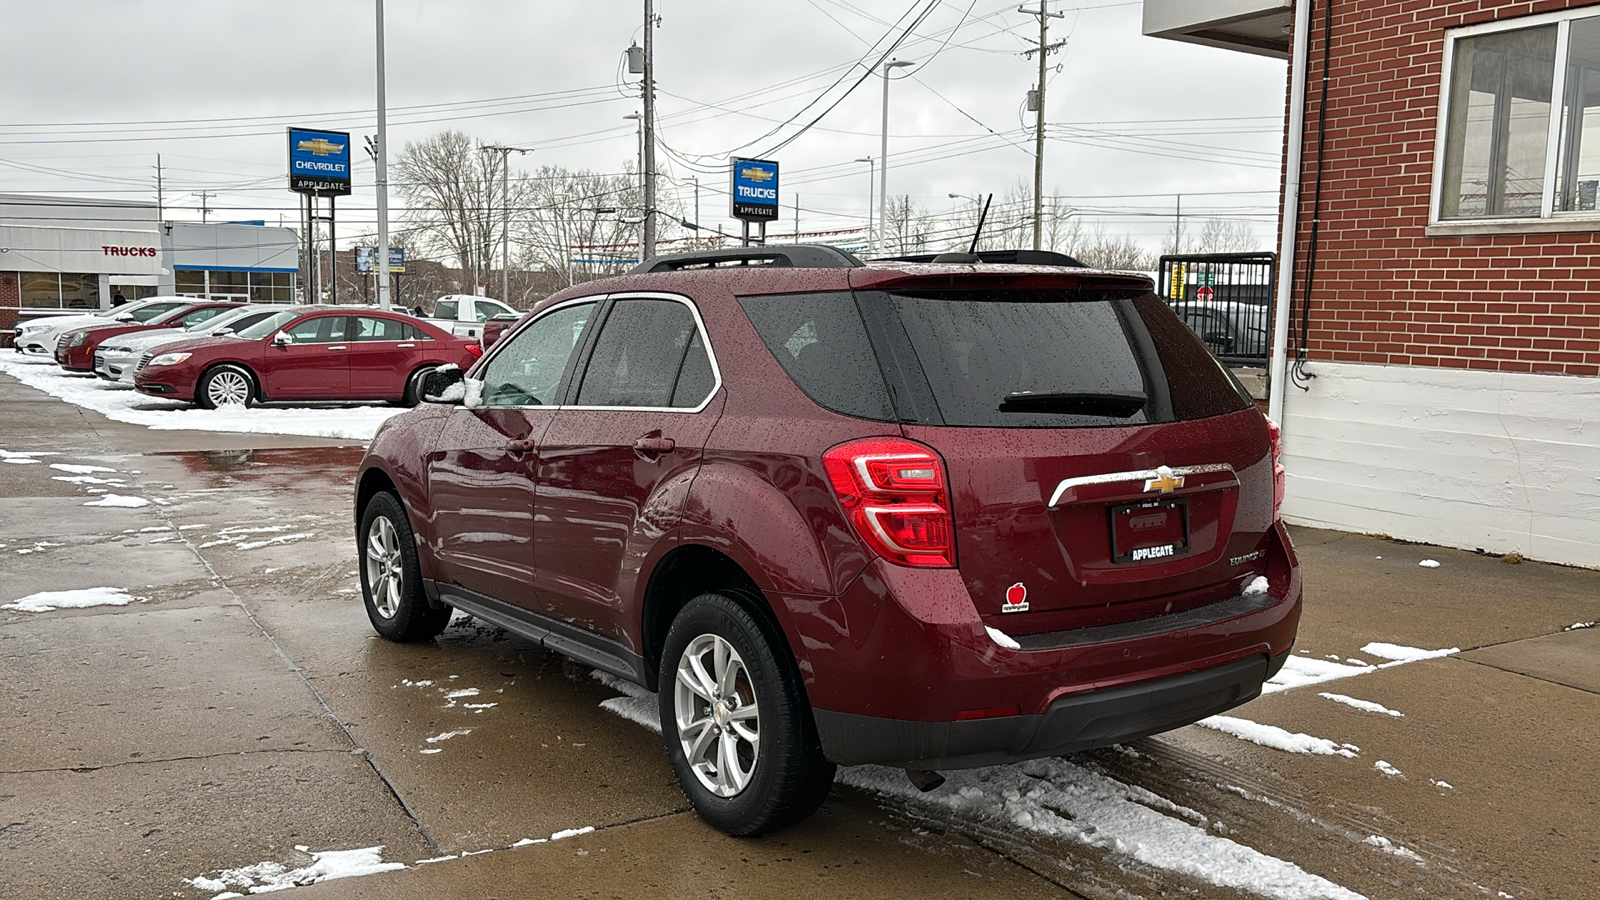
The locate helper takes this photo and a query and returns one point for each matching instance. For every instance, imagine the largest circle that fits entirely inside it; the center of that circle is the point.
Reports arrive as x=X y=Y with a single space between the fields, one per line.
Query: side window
x=820 y=341
x=526 y=370
x=695 y=379
x=372 y=328
x=318 y=330
x=412 y=333
x=196 y=316
x=641 y=356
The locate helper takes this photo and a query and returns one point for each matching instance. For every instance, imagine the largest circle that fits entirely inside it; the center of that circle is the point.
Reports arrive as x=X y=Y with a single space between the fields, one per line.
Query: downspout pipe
x=1293 y=163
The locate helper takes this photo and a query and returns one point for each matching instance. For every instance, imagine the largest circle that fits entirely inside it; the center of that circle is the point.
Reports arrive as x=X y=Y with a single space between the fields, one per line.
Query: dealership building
x=65 y=254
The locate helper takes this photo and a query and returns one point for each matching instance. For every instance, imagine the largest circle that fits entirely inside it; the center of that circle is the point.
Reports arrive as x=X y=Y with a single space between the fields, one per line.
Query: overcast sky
x=92 y=91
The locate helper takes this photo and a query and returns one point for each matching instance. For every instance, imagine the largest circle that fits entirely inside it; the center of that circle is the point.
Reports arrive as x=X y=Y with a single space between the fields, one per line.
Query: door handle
x=526 y=445
x=336 y=347
x=649 y=447
x=404 y=346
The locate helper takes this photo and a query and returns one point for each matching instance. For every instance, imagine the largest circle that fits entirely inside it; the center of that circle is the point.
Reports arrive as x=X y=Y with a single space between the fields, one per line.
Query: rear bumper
x=1071 y=724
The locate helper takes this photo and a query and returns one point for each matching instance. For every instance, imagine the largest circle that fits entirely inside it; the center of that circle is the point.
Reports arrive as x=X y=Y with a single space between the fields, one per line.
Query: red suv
x=306 y=353
x=922 y=515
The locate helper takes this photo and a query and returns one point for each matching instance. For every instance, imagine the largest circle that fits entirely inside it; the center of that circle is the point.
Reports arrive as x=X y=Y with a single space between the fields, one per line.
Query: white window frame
x=1563 y=20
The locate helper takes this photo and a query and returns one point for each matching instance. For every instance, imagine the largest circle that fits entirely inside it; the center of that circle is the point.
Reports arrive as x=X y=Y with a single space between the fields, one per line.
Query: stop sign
x=1205 y=294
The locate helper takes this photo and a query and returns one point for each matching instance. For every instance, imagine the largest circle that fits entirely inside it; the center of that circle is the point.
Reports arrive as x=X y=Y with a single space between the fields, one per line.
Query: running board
x=568 y=640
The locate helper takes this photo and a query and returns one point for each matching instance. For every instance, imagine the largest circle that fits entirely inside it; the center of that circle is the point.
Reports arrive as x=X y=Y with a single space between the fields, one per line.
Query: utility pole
x=203 y=195
x=1044 y=15
x=161 y=215
x=797 y=218
x=380 y=153
x=644 y=222
x=1177 y=228
x=649 y=248
x=505 y=216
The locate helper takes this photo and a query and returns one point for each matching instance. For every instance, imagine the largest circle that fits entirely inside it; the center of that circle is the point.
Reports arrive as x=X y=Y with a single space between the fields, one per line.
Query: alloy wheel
x=717 y=715
x=228 y=386
x=385 y=570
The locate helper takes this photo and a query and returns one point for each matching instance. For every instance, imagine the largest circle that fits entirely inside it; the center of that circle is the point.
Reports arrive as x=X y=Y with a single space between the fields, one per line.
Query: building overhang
x=1250 y=26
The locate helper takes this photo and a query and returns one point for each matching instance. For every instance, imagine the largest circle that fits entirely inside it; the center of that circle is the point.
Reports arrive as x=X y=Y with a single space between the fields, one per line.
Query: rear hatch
x=1102 y=466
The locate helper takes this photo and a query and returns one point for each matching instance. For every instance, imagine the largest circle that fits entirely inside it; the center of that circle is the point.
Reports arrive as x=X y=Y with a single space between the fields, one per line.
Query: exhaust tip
x=925 y=780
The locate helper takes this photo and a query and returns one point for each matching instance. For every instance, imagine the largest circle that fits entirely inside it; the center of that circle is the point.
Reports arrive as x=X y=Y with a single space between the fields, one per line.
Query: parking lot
x=233 y=722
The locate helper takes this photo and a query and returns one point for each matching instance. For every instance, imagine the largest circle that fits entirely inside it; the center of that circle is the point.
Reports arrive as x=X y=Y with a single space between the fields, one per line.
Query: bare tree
x=1226 y=236
x=908 y=229
x=574 y=224
x=1121 y=252
x=453 y=200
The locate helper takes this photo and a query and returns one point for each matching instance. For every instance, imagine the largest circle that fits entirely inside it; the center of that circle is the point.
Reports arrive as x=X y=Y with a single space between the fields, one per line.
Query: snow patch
x=1275 y=738
x=1363 y=705
x=1001 y=638
x=1429 y=564
x=1575 y=626
x=464 y=692
x=71 y=469
x=1442 y=784
x=1388 y=770
x=1257 y=586
x=448 y=735
x=1393 y=849
x=21 y=460
x=119 y=500
x=81 y=599
x=280 y=539
x=327 y=865
x=1403 y=654
x=87 y=479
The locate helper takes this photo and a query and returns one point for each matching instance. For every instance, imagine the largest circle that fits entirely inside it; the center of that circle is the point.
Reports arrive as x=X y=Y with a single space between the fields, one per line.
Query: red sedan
x=306 y=353
x=75 y=348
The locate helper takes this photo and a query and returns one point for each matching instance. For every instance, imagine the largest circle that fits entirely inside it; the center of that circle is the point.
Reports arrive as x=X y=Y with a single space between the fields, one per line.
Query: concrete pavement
x=242 y=708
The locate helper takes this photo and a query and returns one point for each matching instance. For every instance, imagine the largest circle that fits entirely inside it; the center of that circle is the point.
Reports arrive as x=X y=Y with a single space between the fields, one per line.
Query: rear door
x=383 y=351
x=1102 y=465
x=315 y=365
x=616 y=464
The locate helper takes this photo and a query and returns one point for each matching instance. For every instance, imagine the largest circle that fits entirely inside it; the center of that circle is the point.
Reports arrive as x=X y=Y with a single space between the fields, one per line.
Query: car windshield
x=267 y=326
x=219 y=321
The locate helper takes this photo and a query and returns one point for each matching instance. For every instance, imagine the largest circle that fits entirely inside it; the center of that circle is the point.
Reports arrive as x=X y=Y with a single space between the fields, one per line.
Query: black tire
x=391 y=576
x=226 y=384
x=769 y=784
x=413 y=394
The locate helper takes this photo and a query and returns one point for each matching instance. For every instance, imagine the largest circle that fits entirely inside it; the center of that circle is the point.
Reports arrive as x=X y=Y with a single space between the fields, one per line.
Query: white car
x=116 y=359
x=37 y=337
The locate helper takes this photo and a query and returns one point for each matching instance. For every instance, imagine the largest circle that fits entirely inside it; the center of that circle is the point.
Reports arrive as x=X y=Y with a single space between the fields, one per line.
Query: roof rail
x=799 y=256
x=997 y=257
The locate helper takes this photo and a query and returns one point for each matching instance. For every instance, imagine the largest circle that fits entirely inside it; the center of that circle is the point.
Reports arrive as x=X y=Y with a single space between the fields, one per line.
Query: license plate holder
x=1150 y=530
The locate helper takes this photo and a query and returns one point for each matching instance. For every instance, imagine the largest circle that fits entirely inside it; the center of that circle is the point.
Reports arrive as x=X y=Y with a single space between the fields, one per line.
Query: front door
x=482 y=479
x=616 y=463
x=314 y=365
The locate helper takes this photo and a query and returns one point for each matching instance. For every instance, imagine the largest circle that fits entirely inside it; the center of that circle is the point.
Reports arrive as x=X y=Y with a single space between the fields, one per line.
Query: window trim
x=1576 y=220
x=603 y=304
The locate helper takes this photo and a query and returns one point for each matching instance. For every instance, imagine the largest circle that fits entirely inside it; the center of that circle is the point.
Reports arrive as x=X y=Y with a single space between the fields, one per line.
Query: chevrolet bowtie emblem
x=320 y=147
x=1165 y=481
x=756 y=175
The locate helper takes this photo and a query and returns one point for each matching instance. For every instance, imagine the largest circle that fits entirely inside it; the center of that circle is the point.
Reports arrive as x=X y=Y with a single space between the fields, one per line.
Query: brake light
x=474 y=350
x=1279 y=476
x=894 y=492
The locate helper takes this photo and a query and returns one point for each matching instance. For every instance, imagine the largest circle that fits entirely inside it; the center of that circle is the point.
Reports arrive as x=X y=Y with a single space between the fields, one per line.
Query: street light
x=883 y=154
x=871 y=248
x=977 y=205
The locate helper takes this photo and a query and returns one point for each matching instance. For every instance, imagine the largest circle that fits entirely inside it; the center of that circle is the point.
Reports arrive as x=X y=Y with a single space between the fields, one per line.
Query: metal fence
x=1226 y=299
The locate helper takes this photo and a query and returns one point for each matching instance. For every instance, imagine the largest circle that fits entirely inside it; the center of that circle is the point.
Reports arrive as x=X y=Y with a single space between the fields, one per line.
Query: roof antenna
x=977 y=233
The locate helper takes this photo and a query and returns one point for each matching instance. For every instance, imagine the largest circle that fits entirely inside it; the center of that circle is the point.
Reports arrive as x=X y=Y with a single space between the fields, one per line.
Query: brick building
x=1441 y=371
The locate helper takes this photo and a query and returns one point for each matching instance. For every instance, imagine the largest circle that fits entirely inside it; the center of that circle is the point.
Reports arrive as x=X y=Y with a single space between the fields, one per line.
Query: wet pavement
x=241 y=711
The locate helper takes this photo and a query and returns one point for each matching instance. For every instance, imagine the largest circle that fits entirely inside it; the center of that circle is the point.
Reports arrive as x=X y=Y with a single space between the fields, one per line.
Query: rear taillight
x=474 y=350
x=895 y=494
x=1279 y=477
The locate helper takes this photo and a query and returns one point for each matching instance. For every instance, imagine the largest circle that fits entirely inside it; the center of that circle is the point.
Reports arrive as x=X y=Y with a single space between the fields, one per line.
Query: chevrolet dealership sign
x=754 y=192
x=319 y=162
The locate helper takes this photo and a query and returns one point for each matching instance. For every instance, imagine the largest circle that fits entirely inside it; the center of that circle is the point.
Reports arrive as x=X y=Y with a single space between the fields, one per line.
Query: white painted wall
x=1479 y=460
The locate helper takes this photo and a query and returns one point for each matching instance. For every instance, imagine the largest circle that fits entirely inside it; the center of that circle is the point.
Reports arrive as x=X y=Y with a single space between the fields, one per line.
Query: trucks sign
x=319 y=162
x=754 y=192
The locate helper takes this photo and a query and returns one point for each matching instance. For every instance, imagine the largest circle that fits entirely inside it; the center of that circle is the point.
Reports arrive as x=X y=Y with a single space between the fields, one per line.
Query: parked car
x=464 y=314
x=1234 y=331
x=37 y=337
x=926 y=516
x=116 y=358
x=305 y=353
x=494 y=328
x=75 y=348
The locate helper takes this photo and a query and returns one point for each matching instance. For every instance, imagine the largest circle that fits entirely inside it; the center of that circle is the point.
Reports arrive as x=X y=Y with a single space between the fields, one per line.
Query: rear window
x=996 y=359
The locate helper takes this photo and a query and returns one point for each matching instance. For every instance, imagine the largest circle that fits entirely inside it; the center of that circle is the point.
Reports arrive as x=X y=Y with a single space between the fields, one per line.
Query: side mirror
x=444 y=386
x=282 y=339
x=123 y=317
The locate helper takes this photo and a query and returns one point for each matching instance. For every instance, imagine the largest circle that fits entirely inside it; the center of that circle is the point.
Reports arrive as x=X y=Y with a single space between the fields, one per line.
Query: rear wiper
x=1115 y=404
